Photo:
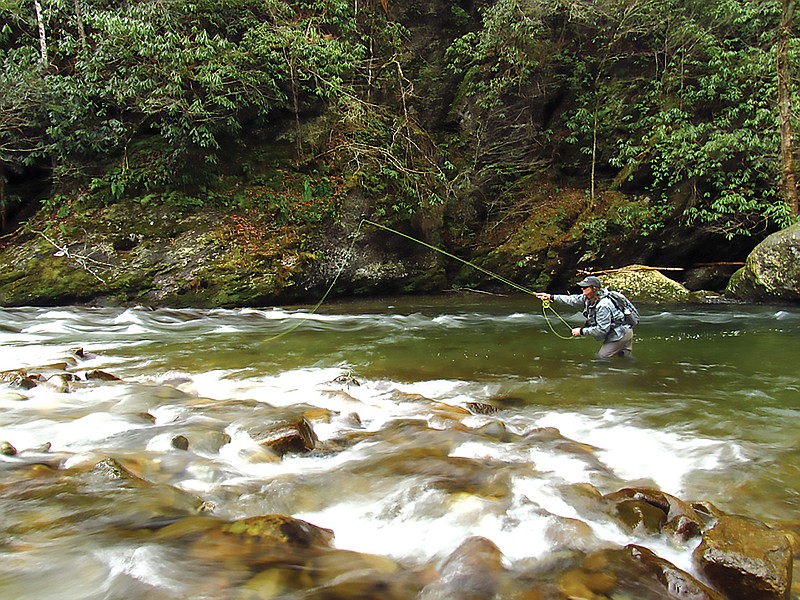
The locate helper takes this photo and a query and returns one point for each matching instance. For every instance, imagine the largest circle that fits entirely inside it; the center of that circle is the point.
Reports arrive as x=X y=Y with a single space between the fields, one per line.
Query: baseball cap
x=590 y=281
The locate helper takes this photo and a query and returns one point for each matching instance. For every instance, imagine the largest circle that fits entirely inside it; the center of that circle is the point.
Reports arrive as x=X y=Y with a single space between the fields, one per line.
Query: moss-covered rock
x=771 y=271
x=643 y=284
x=129 y=253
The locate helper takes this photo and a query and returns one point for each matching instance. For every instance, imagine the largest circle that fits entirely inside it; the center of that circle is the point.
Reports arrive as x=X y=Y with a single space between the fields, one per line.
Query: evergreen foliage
x=145 y=99
x=676 y=95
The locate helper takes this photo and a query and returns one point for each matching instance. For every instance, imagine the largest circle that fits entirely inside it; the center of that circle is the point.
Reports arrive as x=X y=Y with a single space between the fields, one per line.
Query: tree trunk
x=788 y=172
x=81 y=28
x=594 y=154
x=43 y=59
x=2 y=201
x=290 y=63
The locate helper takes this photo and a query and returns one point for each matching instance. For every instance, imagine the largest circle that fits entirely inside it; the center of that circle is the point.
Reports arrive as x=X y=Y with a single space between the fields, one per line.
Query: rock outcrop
x=771 y=271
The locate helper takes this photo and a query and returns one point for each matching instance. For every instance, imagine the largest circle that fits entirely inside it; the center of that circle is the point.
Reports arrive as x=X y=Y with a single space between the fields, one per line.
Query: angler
x=610 y=316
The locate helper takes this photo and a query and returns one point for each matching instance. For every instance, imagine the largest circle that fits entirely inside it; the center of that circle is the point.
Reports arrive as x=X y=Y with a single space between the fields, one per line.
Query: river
x=409 y=462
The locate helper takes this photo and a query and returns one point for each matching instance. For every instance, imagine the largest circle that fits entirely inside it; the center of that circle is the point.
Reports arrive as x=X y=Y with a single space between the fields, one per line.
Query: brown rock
x=682 y=528
x=479 y=408
x=579 y=583
x=471 y=572
x=101 y=376
x=638 y=514
x=110 y=468
x=632 y=572
x=281 y=528
x=297 y=437
x=680 y=519
x=344 y=575
x=262 y=540
x=564 y=533
x=180 y=442
x=746 y=560
x=20 y=378
x=677 y=583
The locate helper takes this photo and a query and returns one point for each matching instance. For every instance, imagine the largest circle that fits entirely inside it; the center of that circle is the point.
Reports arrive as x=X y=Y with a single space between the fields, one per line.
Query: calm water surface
x=707 y=410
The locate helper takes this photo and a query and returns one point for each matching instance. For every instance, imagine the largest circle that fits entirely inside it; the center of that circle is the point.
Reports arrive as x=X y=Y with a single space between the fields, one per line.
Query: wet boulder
x=631 y=572
x=564 y=533
x=746 y=560
x=111 y=469
x=676 y=583
x=771 y=271
x=682 y=528
x=453 y=474
x=98 y=375
x=59 y=383
x=471 y=572
x=497 y=430
x=260 y=541
x=344 y=575
x=289 y=437
x=645 y=284
x=655 y=511
x=281 y=529
x=180 y=442
x=481 y=408
x=209 y=442
x=20 y=378
x=640 y=515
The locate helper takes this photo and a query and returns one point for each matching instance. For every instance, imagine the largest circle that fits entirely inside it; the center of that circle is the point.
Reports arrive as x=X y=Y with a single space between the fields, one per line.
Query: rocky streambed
x=135 y=496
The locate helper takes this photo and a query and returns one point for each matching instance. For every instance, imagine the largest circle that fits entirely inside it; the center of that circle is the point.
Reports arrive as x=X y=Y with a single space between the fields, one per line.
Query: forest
x=514 y=130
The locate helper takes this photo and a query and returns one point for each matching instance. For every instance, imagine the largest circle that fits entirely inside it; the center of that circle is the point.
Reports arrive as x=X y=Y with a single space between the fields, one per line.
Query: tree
x=21 y=120
x=44 y=55
x=788 y=171
x=614 y=27
x=705 y=130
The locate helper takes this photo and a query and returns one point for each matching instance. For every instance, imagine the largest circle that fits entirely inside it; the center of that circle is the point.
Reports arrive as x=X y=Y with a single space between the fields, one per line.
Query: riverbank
x=127 y=254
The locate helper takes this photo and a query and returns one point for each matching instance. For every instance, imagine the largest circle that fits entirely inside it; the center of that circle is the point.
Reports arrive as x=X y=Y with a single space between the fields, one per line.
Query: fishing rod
x=546 y=305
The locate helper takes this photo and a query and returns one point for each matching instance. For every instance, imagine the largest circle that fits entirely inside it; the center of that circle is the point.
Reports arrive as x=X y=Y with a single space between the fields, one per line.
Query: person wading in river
x=604 y=320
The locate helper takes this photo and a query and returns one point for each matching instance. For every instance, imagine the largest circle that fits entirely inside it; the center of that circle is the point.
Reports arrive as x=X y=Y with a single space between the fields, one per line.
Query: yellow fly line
x=546 y=306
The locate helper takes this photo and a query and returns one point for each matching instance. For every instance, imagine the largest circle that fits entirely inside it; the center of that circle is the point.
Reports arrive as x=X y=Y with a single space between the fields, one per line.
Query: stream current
x=707 y=410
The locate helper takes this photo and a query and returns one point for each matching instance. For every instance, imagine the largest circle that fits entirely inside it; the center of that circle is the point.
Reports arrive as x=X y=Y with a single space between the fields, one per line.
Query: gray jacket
x=604 y=321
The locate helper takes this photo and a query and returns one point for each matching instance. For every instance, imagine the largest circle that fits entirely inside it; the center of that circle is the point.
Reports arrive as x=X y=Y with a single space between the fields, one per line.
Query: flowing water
x=407 y=466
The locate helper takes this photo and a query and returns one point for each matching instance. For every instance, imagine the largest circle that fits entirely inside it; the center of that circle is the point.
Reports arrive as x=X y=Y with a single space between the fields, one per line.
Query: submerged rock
x=631 y=572
x=180 y=442
x=261 y=540
x=110 y=468
x=209 y=441
x=564 y=533
x=471 y=572
x=280 y=528
x=677 y=583
x=345 y=575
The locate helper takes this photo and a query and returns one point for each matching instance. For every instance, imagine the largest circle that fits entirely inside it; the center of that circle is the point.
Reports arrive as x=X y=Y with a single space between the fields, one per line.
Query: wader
x=621 y=347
